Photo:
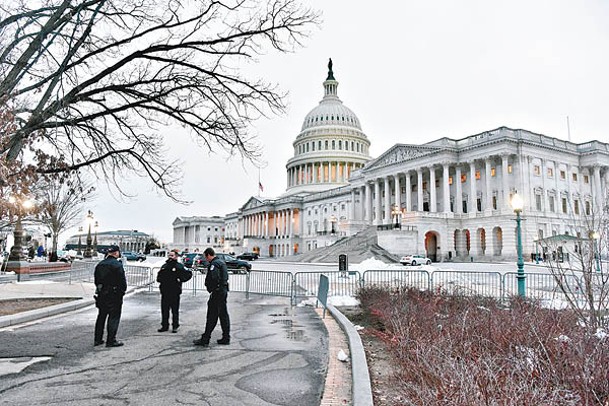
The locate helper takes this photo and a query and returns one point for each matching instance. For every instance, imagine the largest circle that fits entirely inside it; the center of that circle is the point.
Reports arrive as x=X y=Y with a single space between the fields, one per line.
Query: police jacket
x=170 y=277
x=216 y=279
x=110 y=277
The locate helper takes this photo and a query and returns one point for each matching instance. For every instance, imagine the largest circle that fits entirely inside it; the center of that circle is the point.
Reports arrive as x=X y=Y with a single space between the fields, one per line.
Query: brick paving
x=338 y=379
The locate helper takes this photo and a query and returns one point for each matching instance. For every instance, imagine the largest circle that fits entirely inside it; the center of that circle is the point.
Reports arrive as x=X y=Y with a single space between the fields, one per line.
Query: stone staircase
x=358 y=247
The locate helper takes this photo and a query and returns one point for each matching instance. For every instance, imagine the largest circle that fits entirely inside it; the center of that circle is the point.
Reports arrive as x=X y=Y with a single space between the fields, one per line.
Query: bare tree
x=60 y=205
x=575 y=261
x=97 y=83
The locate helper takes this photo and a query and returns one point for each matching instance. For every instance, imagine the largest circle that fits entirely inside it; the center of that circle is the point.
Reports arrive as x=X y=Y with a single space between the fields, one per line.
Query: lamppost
x=395 y=211
x=333 y=222
x=596 y=251
x=79 y=251
x=21 y=206
x=88 y=251
x=95 y=238
x=517 y=204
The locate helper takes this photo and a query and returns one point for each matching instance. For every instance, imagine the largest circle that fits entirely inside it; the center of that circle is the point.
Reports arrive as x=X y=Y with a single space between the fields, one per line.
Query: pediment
x=252 y=203
x=400 y=153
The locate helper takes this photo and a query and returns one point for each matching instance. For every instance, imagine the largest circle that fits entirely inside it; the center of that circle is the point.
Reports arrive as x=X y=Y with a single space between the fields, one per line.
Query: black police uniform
x=170 y=277
x=111 y=287
x=216 y=282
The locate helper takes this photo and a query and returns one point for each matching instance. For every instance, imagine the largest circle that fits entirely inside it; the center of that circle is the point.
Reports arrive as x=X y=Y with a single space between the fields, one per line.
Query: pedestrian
x=216 y=282
x=111 y=285
x=170 y=278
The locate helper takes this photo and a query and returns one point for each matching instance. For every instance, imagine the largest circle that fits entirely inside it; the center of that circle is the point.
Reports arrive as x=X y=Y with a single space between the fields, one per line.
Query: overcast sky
x=412 y=71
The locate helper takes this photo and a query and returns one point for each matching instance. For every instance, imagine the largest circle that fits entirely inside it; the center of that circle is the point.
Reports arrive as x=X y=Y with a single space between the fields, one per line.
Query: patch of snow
x=601 y=333
x=343 y=301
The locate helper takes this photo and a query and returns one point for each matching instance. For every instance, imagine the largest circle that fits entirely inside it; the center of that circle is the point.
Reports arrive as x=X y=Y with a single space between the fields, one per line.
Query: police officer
x=111 y=286
x=170 y=277
x=216 y=282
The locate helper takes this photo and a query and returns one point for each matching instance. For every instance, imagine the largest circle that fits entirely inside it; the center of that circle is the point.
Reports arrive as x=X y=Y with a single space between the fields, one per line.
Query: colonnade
x=282 y=223
x=321 y=172
x=476 y=186
x=429 y=189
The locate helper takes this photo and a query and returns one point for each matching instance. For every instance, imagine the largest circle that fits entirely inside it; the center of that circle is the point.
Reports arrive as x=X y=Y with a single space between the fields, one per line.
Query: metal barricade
x=397 y=278
x=544 y=287
x=468 y=283
x=306 y=284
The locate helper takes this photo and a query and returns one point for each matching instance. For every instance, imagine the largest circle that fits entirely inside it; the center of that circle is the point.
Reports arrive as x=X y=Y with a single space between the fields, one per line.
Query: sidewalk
x=339 y=374
x=82 y=292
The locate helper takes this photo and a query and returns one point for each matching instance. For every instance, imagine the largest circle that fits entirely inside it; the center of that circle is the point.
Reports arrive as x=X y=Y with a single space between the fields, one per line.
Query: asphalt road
x=278 y=356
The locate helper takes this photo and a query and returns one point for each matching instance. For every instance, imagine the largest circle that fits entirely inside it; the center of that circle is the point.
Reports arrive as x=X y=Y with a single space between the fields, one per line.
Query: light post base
x=21 y=268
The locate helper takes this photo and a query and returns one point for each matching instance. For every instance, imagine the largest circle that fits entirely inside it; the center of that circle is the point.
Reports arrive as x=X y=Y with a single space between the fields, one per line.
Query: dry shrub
x=460 y=350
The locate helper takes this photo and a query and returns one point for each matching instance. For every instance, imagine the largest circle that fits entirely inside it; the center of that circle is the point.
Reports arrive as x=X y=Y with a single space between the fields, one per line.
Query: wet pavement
x=278 y=356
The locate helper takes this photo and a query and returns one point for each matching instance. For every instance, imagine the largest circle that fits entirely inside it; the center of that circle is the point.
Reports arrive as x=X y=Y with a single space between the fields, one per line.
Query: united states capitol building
x=448 y=199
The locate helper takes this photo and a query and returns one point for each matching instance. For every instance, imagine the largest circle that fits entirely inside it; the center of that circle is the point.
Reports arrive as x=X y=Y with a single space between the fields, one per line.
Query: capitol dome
x=331 y=145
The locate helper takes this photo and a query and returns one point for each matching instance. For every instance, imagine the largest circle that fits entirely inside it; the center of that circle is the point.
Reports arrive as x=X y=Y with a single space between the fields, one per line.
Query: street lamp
x=21 y=206
x=78 y=251
x=395 y=211
x=88 y=251
x=517 y=204
x=333 y=222
x=95 y=238
x=596 y=251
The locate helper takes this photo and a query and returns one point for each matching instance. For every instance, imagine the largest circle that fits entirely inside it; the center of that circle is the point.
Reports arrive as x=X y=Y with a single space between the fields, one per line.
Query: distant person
x=170 y=278
x=216 y=282
x=40 y=251
x=111 y=285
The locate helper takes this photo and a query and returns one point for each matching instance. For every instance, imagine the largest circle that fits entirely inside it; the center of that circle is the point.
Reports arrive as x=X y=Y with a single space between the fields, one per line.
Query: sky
x=413 y=72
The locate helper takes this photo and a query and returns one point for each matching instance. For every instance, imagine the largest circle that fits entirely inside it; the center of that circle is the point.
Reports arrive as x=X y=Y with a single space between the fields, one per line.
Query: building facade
x=127 y=240
x=196 y=233
x=447 y=199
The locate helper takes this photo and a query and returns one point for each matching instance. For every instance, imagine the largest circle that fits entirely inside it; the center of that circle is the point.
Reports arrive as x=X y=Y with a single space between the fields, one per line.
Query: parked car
x=195 y=260
x=64 y=256
x=248 y=256
x=415 y=260
x=236 y=265
x=133 y=256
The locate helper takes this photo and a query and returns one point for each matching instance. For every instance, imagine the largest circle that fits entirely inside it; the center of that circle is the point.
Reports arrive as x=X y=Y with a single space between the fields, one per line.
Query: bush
x=460 y=350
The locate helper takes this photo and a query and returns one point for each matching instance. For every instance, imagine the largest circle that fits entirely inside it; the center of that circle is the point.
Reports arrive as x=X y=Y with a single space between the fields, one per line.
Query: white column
x=387 y=201
x=472 y=188
x=432 y=190
x=419 y=190
x=368 y=216
x=458 y=191
x=291 y=224
x=362 y=203
x=408 y=186
x=596 y=190
x=352 y=214
x=446 y=187
x=488 y=193
x=504 y=181
x=377 y=202
x=397 y=191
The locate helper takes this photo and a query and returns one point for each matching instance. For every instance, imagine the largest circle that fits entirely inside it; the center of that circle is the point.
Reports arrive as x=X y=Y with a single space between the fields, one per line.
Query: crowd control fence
x=299 y=286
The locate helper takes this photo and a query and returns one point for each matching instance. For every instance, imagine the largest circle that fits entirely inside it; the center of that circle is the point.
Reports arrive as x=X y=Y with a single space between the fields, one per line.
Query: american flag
x=260 y=186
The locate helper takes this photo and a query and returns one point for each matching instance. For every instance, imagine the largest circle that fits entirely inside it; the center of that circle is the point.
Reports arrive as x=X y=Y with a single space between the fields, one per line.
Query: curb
x=362 y=390
x=35 y=314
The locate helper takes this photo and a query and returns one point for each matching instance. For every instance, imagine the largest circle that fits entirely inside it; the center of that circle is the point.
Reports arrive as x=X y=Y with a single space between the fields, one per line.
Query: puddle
x=293 y=332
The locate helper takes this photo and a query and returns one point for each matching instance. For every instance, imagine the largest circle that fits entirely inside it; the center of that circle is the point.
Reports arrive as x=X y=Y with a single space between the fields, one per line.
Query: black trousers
x=170 y=301
x=216 y=309
x=113 y=314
